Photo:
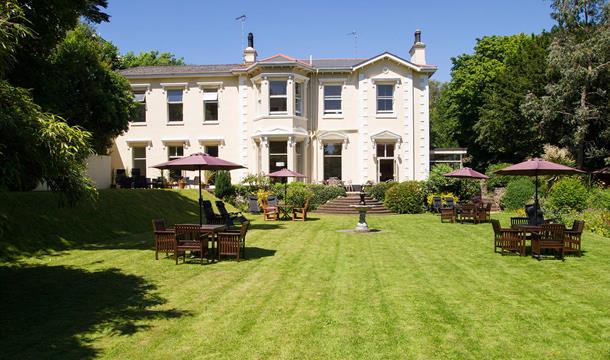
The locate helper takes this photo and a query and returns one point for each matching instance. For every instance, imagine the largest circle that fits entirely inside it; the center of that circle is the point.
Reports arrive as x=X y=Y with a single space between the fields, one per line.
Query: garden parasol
x=198 y=162
x=466 y=173
x=536 y=167
x=285 y=173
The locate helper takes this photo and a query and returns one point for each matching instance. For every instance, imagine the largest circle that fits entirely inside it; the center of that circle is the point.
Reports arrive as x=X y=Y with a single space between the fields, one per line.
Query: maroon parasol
x=285 y=173
x=466 y=173
x=198 y=162
x=535 y=167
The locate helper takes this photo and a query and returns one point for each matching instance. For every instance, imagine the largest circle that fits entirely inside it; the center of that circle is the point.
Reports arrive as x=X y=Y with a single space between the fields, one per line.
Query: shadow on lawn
x=34 y=224
x=47 y=311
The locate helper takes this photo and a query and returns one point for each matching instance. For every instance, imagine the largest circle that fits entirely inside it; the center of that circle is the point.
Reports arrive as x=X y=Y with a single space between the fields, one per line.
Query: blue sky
x=206 y=32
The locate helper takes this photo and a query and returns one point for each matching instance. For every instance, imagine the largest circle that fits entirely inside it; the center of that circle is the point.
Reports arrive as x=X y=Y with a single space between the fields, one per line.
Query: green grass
x=420 y=289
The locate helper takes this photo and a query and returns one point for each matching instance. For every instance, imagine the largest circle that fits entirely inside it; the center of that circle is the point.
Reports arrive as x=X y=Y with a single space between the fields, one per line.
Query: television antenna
x=242 y=19
x=355 y=35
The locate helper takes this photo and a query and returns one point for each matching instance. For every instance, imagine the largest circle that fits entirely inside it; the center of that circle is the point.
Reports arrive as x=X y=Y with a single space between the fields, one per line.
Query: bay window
x=278 y=97
x=298 y=99
x=278 y=155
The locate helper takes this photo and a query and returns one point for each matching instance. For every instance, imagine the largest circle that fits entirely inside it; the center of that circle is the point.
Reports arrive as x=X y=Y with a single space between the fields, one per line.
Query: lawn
x=419 y=289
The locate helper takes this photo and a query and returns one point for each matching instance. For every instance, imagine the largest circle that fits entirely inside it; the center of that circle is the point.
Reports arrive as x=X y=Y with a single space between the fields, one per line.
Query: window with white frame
x=332 y=160
x=139 y=159
x=174 y=105
x=385 y=150
x=298 y=98
x=332 y=99
x=210 y=104
x=385 y=98
x=175 y=152
x=278 y=97
x=211 y=150
x=278 y=155
x=140 y=99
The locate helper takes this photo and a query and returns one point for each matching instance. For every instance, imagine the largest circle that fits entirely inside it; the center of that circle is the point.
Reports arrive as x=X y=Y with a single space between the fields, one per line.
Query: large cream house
x=355 y=119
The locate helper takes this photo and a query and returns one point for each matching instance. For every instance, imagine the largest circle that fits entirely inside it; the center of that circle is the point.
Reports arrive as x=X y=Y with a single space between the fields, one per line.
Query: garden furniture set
x=208 y=241
x=544 y=238
x=473 y=212
x=274 y=211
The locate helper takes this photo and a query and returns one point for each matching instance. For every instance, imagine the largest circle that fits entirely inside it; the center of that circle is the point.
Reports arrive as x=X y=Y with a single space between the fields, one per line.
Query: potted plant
x=181 y=183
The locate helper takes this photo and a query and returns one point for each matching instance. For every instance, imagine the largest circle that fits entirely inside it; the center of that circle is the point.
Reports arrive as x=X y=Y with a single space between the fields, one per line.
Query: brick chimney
x=250 y=52
x=418 y=50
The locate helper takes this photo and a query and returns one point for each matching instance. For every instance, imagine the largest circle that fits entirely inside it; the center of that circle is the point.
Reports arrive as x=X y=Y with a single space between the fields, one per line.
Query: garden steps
x=341 y=205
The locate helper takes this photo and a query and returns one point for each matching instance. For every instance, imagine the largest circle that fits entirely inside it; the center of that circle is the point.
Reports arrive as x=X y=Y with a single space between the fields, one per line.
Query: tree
x=12 y=31
x=503 y=132
x=442 y=129
x=150 y=58
x=480 y=106
x=49 y=21
x=80 y=85
x=35 y=146
x=575 y=106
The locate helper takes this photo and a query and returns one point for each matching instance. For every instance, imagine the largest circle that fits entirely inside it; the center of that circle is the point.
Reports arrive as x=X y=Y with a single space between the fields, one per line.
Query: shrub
x=378 y=190
x=495 y=180
x=437 y=183
x=224 y=187
x=568 y=194
x=518 y=193
x=558 y=155
x=600 y=199
x=262 y=196
x=210 y=176
x=298 y=195
x=598 y=221
x=324 y=193
x=406 y=198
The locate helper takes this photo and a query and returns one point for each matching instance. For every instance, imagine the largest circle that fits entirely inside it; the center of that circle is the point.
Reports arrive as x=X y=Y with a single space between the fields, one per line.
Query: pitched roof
x=171 y=70
x=319 y=64
x=346 y=63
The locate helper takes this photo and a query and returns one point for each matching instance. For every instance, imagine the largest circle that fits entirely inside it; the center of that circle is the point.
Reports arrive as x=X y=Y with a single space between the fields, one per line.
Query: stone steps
x=341 y=205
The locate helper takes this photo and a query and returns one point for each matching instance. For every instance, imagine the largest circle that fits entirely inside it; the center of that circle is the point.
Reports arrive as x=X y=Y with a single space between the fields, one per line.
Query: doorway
x=386 y=169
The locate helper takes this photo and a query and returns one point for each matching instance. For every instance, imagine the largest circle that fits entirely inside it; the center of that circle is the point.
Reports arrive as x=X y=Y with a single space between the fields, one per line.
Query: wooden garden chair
x=551 y=237
x=572 y=237
x=508 y=240
x=233 y=243
x=164 y=238
x=300 y=213
x=270 y=212
x=448 y=214
x=484 y=212
x=188 y=237
x=468 y=212
x=515 y=222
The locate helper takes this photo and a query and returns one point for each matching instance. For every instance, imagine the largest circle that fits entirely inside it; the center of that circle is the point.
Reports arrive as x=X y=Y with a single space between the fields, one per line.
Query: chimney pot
x=417 y=36
x=250 y=40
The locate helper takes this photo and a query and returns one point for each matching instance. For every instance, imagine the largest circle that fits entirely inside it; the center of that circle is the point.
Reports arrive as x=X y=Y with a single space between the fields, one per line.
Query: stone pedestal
x=362 y=225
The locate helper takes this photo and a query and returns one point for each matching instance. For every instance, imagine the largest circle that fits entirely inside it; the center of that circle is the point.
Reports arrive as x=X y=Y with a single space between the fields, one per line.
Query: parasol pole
x=536 y=201
x=200 y=198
